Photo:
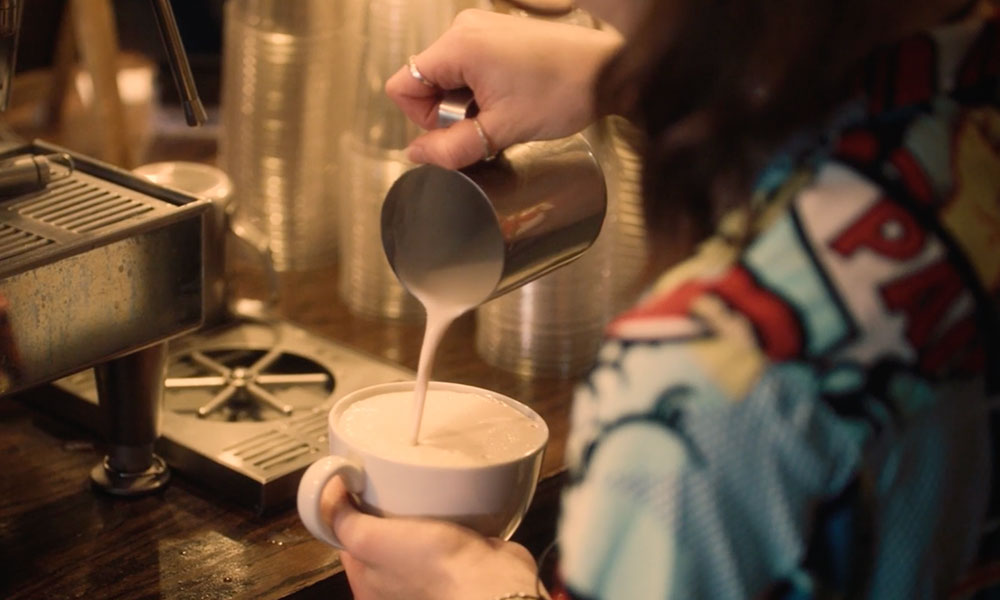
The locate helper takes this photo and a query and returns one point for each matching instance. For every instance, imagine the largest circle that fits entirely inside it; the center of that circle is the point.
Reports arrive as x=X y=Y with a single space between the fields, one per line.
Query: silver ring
x=488 y=152
x=415 y=72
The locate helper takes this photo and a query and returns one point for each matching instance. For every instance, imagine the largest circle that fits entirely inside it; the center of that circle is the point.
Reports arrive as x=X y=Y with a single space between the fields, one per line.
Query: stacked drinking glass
x=286 y=95
x=372 y=151
x=623 y=170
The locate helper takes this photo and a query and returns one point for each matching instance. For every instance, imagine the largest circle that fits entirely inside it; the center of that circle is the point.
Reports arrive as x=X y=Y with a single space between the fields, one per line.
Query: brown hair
x=718 y=85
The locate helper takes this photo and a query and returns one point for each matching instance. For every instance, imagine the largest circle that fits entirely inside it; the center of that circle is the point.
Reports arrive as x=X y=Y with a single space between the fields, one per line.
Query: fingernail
x=416 y=154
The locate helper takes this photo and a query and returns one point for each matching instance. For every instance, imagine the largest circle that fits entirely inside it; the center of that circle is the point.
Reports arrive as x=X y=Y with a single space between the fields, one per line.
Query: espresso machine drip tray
x=245 y=405
x=243 y=383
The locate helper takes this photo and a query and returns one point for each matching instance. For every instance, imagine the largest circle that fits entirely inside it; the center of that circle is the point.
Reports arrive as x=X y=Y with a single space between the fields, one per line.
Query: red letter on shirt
x=887 y=229
x=925 y=297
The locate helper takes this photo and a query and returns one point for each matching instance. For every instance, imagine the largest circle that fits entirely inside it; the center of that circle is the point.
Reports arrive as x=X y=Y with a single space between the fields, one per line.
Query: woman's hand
x=532 y=79
x=415 y=559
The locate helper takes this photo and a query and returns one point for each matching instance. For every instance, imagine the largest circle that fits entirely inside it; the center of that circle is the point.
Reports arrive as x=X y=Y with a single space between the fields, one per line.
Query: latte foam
x=458 y=429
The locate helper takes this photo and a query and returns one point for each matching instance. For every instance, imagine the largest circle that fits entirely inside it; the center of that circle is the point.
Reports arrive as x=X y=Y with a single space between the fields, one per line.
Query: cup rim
x=397 y=386
x=166 y=172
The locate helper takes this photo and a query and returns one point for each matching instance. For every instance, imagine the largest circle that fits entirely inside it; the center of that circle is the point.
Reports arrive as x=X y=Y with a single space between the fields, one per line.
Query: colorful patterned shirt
x=809 y=415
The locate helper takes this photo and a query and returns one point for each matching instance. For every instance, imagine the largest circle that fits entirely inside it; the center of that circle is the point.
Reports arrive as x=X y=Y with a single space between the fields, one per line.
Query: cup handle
x=311 y=489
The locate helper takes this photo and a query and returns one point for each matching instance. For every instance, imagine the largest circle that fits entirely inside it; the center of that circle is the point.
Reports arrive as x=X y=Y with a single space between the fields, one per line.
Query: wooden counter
x=60 y=539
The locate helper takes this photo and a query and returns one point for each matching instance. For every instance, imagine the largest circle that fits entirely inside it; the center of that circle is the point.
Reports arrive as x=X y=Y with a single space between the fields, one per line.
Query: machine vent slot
x=311 y=427
x=14 y=242
x=268 y=451
x=78 y=206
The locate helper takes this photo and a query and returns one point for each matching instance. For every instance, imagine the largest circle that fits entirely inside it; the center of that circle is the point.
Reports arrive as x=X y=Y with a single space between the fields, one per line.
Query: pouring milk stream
x=465 y=285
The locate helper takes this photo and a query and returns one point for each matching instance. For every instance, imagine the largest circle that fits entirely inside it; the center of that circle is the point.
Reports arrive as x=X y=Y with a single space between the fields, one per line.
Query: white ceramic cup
x=489 y=498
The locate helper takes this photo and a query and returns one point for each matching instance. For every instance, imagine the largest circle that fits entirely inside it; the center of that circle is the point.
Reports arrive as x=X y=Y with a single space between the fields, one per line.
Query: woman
x=800 y=409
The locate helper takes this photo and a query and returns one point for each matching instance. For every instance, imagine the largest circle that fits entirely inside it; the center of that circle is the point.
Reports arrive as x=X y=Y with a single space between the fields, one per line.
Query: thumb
x=453 y=148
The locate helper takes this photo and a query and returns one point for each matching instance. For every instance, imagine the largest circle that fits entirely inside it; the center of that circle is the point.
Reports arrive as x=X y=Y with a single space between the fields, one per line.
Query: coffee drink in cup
x=476 y=462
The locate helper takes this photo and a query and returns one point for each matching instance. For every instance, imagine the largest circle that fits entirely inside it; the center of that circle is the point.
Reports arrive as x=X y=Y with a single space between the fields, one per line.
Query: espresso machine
x=98 y=268
x=113 y=294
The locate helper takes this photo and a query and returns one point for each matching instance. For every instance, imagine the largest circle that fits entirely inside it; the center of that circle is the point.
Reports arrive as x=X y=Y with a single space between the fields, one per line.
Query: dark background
x=199 y=21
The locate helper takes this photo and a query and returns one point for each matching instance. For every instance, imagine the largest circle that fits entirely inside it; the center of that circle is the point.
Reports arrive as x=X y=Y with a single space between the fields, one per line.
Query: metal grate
x=14 y=241
x=268 y=451
x=78 y=206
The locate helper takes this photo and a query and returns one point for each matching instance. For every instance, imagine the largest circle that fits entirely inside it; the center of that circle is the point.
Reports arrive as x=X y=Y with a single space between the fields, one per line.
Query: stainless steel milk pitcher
x=496 y=225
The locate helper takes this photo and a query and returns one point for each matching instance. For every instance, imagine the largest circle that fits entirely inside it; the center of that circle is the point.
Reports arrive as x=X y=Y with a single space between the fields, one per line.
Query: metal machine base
x=245 y=407
x=114 y=482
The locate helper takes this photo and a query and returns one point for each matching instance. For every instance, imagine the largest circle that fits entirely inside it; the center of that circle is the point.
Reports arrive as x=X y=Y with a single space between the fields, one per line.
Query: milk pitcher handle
x=456 y=104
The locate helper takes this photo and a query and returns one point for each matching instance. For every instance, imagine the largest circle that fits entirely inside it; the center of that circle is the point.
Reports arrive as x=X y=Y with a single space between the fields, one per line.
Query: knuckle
x=468 y=16
x=460 y=36
x=468 y=27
